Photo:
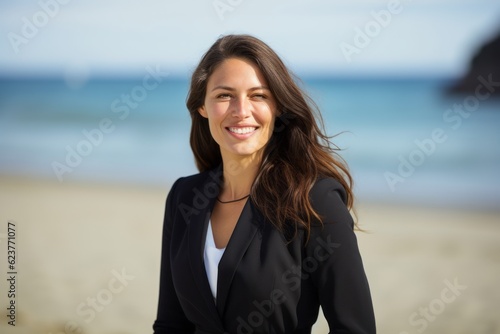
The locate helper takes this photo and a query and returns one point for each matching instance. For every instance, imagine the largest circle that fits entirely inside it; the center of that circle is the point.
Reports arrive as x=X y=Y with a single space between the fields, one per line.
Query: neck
x=239 y=176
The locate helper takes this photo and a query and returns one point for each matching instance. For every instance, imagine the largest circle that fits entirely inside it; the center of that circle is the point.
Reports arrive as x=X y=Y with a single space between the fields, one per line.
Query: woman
x=262 y=236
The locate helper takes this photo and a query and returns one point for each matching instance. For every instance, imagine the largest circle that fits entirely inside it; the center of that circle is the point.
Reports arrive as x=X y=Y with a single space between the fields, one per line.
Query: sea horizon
x=383 y=123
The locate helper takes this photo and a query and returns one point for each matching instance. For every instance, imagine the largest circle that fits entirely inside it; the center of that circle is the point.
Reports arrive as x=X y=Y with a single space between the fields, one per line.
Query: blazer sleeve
x=170 y=317
x=340 y=279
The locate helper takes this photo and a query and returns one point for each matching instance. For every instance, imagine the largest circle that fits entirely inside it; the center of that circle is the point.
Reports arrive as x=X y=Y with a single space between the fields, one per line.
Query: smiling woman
x=262 y=236
x=240 y=110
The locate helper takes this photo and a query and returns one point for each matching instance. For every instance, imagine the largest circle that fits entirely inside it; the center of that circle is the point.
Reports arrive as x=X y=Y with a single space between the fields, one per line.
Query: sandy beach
x=87 y=261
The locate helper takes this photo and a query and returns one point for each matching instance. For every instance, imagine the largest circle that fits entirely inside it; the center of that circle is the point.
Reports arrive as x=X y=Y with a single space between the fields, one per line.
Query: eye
x=259 y=96
x=223 y=96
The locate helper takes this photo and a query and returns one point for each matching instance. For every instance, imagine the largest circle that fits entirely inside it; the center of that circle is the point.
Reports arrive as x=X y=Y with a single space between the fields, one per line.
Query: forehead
x=237 y=73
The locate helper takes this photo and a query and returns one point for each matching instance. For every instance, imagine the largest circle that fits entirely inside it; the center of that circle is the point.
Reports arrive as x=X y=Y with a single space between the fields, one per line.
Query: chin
x=245 y=151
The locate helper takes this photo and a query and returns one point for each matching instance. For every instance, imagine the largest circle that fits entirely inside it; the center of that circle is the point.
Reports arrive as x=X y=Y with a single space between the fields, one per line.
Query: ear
x=202 y=111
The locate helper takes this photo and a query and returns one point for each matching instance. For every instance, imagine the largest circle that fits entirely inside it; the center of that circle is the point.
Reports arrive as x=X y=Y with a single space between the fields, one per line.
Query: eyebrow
x=233 y=89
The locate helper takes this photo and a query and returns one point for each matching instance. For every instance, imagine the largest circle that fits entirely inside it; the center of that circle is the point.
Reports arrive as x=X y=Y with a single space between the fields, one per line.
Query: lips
x=242 y=130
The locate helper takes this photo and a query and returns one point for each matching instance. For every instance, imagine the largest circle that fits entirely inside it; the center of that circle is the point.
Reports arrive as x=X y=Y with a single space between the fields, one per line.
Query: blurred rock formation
x=485 y=64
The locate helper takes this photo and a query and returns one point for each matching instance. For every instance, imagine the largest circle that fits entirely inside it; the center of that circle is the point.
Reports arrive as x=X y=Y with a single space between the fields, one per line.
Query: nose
x=241 y=108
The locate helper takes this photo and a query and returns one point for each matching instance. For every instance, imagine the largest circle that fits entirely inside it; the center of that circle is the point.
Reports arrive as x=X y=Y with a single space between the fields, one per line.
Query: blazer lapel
x=243 y=234
x=197 y=230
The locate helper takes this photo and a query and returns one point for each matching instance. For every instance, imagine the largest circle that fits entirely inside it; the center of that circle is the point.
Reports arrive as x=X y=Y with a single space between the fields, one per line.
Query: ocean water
x=400 y=137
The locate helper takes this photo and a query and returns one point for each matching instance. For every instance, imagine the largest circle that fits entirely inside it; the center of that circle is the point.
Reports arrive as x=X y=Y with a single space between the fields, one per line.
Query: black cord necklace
x=234 y=200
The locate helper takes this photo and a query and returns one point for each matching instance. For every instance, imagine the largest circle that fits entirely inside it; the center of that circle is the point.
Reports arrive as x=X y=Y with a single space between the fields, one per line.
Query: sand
x=88 y=261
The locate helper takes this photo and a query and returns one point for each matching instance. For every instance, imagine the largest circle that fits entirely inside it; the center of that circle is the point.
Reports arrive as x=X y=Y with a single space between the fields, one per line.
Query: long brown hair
x=298 y=152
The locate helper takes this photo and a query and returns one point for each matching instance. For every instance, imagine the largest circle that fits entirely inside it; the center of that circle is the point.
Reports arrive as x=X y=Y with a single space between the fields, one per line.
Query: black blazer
x=265 y=284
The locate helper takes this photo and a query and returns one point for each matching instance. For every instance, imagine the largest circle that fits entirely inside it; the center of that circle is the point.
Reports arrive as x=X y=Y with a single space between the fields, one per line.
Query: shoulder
x=201 y=183
x=325 y=185
x=190 y=194
x=329 y=199
x=336 y=226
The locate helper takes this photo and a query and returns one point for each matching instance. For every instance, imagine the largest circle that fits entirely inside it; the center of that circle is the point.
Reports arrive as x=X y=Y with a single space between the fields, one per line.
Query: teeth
x=242 y=131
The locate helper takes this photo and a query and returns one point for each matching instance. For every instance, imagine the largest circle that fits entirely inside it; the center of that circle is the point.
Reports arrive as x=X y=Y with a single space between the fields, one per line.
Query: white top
x=212 y=256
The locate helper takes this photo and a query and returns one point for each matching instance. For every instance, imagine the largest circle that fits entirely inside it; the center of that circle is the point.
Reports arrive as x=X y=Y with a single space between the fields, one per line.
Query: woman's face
x=240 y=109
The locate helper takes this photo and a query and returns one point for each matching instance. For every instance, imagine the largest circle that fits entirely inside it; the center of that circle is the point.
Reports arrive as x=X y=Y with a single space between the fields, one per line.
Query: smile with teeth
x=242 y=131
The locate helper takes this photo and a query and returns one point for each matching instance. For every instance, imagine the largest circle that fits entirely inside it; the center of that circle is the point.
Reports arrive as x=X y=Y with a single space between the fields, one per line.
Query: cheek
x=215 y=121
x=217 y=112
x=214 y=126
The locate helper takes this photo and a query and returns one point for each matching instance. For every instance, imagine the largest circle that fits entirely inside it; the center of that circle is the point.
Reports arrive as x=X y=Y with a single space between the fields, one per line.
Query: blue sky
x=121 y=38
